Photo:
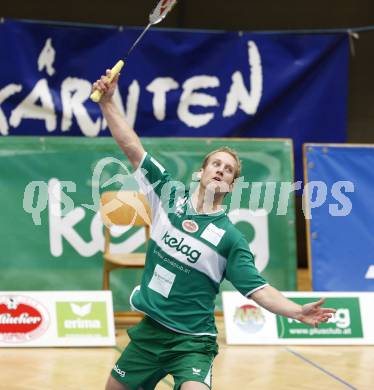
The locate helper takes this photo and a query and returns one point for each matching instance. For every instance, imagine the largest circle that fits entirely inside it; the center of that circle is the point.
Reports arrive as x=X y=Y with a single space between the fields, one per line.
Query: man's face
x=219 y=172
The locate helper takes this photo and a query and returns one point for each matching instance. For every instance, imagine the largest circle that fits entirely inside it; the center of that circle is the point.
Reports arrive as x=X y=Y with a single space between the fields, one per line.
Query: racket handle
x=96 y=96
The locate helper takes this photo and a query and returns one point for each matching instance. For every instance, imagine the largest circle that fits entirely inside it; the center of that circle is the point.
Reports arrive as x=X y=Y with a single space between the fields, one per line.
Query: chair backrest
x=125 y=208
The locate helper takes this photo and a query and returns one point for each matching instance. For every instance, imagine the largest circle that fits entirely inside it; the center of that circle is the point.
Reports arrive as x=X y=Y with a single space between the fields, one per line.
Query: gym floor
x=236 y=367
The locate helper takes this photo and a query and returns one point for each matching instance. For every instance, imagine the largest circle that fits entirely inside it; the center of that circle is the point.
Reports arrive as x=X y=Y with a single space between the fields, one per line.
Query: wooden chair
x=125 y=208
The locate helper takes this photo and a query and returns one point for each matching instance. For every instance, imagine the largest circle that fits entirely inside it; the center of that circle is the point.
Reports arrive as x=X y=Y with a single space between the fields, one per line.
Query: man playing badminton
x=190 y=252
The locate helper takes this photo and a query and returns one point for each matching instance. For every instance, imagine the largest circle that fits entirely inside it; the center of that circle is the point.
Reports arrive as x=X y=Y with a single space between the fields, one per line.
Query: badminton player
x=193 y=247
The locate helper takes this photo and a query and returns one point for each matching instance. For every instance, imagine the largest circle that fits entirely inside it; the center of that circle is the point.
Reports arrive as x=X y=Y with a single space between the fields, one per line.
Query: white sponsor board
x=353 y=323
x=56 y=319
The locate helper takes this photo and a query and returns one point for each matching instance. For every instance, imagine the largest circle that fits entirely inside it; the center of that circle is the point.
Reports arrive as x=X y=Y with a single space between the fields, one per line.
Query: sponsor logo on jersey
x=162 y=281
x=213 y=234
x=21 y=319
x=196 y=371
x=192 y=254
x=190 y=226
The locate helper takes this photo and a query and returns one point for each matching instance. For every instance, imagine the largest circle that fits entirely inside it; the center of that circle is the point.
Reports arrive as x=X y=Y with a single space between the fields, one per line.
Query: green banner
x=51 y=233
x=346 y=322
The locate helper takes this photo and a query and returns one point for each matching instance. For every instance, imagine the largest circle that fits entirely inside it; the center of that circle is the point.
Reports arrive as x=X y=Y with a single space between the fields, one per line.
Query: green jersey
x=188 y=256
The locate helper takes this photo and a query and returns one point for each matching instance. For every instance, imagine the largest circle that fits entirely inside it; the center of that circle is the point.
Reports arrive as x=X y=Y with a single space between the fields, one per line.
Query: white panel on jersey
x=213 y=234
x=162 y=281
x=146 y=187
x=187 y=249
x=213 y=264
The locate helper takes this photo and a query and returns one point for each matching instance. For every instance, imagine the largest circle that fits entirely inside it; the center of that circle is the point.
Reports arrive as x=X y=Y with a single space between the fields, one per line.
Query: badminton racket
x=157 y=15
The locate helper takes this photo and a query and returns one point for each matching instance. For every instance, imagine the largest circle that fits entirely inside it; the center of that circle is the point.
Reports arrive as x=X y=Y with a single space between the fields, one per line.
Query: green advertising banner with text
x=346 y=322
x=247 y=323
x=51 y=233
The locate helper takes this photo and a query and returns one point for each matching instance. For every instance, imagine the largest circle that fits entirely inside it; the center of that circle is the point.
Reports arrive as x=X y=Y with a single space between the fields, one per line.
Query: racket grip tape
x=96 y=96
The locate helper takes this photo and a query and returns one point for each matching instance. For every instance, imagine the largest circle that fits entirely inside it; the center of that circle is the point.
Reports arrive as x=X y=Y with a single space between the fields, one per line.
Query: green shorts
x=155 y=351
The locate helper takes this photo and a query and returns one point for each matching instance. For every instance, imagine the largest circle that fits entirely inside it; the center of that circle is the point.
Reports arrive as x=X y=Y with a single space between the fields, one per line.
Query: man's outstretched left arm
x=273 y=300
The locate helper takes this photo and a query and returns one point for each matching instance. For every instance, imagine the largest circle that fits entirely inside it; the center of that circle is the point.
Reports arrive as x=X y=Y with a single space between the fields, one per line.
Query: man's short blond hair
x=229 y=151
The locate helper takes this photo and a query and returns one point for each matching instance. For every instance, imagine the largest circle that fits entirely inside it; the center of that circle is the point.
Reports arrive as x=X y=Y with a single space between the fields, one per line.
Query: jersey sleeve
x=151 y=176
x=241 y=270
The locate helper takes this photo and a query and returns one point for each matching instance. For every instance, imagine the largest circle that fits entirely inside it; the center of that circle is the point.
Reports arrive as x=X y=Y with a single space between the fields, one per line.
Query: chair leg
x=106 y=277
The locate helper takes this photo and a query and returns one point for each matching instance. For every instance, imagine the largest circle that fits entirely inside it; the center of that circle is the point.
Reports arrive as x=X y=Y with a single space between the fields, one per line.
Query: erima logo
x=196 y=371
x=172 y=242
x=119 y=371
x=81 y=311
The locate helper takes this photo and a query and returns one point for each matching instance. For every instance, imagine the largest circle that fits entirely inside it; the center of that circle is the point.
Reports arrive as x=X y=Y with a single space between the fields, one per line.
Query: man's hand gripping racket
x=157 y=15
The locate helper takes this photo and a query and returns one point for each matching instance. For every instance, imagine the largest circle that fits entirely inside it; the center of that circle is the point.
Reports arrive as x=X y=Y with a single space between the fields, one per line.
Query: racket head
x=161 y=10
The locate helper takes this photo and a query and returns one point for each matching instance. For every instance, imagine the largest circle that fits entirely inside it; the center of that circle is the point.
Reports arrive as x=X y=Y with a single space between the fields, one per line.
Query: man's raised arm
x=125 y=136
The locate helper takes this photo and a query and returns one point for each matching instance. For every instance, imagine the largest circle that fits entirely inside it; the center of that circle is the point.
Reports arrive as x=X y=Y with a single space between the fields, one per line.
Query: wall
x=241 y=15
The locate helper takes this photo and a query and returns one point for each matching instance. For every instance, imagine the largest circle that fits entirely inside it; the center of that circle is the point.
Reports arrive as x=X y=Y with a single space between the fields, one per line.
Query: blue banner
x=175 y=83
x=341 y=195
